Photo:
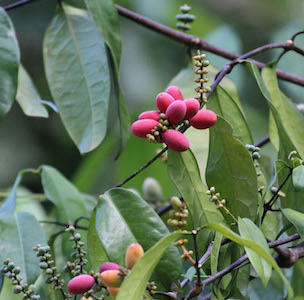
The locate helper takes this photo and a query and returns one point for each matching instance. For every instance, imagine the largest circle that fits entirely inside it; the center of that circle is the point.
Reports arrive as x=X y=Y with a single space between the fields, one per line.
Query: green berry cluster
x=28 y=291
x=184 y=18
x=76 y=267
x=178 y=214
x=151 y=288
x=201 y=71
x=47 y=264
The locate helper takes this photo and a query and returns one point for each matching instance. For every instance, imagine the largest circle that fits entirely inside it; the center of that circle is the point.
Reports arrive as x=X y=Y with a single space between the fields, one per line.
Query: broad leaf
x=134 y=285
x=17 y=241
x=184 y=172
x=78 y=73
x=298 y=178
x=231 y=171
x=296 y=218
x=123 y=218
x=9 y=63
x=255 y=247
x=225 y=106
x=28 y=97
x=250 y=231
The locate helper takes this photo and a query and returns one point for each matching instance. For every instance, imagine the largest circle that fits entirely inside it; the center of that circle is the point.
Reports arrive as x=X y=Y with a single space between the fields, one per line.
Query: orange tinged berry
x=175 y=92
x=163 y=100
x=134 y=253
x=141 y=128
x=111 y=278
x=203 y=119
x=175 y=140
x=193 y=107
x=80 y=284
x=113 y=291
x=176 y=111
x=150 y=114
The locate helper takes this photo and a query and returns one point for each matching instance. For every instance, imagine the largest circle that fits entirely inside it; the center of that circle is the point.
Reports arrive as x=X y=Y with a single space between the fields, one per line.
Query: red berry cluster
x=160 y=126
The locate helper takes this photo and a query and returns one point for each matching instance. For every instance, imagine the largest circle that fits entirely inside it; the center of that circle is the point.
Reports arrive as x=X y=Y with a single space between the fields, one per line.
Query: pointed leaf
x=78 y=73
x=28 y=97
x=123 y=218
x=250 y=231
x=215 y=252
x=298 y=178
x=231 y=171
x=296 y=218
x=134 y=285
x=9 y=63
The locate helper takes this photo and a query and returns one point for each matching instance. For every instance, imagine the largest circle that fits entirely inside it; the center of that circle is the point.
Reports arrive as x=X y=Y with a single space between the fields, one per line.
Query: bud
x=113 y=291
x=108 y=266
x=80 y=284
x=176 y=203
x=152 y=188
x=111 y=278
x=134 y=253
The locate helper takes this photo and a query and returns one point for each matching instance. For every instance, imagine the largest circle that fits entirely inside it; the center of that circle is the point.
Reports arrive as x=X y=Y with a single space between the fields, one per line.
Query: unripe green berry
x=17 y=289
x=43 y=265
x=256 y=155
x=185 y=8
x=176 y=202
x=77 y=236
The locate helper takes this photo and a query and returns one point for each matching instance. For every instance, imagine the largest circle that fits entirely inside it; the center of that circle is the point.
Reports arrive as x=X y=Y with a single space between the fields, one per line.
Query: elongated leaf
x=123 y=218
x=224 y=105
x=17 y=241
x=231 y=171
x=298 y=178
x=9 y=63
x=135 y=283
x=215 y=252
x=78 y=73
x=184 y=172
x=296 y=218
x=250 y=231
x=255 y=247
x=28 y=97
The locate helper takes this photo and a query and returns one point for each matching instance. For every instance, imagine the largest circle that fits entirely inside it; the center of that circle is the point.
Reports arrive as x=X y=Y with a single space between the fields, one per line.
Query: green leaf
x=28 y=97
x=255 y=247
x=298 y=178
x=134 y=285
x=250 y=231
x=227 y=107
x=67 y=199
x=215 y=252
x=19 y=234
x=231 y=171
x=78 y=73
x=9 y=63
x=123 y=218
x=296 y=218
x=184 y=172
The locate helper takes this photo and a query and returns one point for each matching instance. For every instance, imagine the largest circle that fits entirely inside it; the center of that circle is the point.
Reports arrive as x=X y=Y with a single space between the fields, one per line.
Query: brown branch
x=195 y=42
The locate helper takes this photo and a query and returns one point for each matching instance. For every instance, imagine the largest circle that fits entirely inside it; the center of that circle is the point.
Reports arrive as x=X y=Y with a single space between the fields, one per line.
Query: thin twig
x=265 y=140
x=64 y=224
x=17 y=4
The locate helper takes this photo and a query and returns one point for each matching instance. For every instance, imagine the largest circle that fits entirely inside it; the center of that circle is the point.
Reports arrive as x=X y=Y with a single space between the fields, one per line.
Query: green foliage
x=296 y=218
x=298 y=178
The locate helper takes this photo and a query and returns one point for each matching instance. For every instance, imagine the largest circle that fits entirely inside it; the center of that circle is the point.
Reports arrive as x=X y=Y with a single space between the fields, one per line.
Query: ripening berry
x=203 y=119
x=176 y=203
x=175 y=140
x=108 y=266
x=134 y=253
x=163 y=100
x=84 y=298
x=111 y=278
x=193 y=107
x=176 y=112
x=113 y=291
x=80 y=284
x=141 y=128
x=175 y=92
x=150 y=114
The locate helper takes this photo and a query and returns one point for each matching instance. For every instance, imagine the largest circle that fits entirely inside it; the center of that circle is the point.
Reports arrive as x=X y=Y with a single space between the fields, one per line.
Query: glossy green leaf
x=64 y=195
x=298 y=178
x=225 y=106
x=123 y=218
x=183 y=170
x=296 y=218
x=9 y=63
x=250 y=231
x=17 y=241
x=231 y=171
x=215 y=252
x=77 y=70
x=255 y=247
x=134 y=285
x=28 y=97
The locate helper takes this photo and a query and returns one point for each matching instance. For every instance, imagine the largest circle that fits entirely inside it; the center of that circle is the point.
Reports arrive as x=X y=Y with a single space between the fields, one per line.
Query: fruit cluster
x=160 y=126
x=111 y=274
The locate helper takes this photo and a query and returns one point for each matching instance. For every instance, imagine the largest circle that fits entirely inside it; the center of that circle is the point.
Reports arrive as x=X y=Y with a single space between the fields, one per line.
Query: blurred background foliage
x=149 y=62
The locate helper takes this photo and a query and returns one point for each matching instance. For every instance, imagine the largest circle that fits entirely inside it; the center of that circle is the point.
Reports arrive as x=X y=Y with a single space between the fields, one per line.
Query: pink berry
x=175 y=92
x=150 y=114
x=193 y=107
x=80 y=284
x=176 y=111
x=175 y=140
x=141 y=128
x=163 y=100
x=203 y=119
x=108 y=266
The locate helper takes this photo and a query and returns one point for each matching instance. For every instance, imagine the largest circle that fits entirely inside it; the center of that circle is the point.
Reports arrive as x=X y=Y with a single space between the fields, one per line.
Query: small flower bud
x=176 y=202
